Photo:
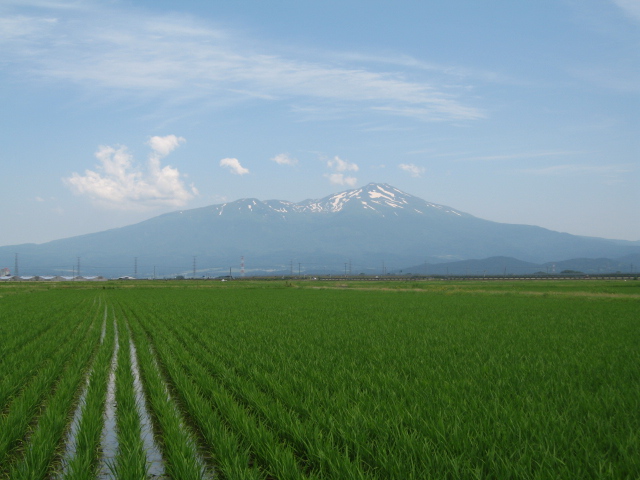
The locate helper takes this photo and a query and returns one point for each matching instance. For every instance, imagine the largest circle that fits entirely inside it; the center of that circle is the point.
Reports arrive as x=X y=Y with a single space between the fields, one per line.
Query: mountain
x=513 y=266
x=364 y=229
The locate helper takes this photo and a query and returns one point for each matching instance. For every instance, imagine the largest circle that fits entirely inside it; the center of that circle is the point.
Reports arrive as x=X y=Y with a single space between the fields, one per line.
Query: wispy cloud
x=630 y=7
x=234 y=166
x=523 y=155
x=118 y=182
x=413 y=170
x=181 y=58
x=284 y=159
x=577 y=169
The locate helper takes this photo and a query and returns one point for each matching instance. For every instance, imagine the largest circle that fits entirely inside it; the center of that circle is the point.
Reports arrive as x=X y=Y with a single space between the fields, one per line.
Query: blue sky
x=519 y=112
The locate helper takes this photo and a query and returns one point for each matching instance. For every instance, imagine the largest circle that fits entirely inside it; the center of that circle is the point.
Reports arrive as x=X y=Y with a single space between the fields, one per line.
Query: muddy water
x=155 y=462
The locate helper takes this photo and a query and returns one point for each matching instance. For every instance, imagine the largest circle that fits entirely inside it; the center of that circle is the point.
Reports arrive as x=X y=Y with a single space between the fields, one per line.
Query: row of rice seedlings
x=178 y=445
x=21 y=362
x=21 y=367
x=16 y=312
x=50 y=428
x=155 y=462
x=81 y=456
x=230 y=456
x=311 y=447
x=464 y=386
x=131 y=459
x=277 y=460
x=26 y=405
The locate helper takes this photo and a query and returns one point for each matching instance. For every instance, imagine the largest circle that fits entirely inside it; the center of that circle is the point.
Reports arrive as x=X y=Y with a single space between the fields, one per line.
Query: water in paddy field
x=155 y=462
x=72 y=442
x=104 y=326
x=109 y=441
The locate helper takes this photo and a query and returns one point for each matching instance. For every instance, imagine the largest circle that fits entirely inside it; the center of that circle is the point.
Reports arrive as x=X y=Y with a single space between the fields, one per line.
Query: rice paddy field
x=320 y=380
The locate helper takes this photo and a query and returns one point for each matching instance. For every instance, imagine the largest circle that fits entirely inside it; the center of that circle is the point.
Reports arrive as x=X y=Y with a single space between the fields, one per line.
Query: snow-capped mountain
x=364 y=227
x=382 y=199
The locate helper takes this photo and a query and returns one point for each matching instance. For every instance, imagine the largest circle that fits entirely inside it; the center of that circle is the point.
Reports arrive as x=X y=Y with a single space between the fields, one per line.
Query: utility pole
x=345 y=269
x=298 y=268
x=154 y=272
x=16 y=271
x=78 y=266
x=194 y=267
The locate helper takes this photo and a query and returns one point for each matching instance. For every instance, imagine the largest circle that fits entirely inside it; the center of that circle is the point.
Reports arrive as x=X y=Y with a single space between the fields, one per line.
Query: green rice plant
x=458 y=380
x=131 y=460
x=230 y=456
x=401 y=383
x=35 y=337
x=84 y=458
x=176 y=443
x=305 y=440
x=50 y=428
x=25 y=407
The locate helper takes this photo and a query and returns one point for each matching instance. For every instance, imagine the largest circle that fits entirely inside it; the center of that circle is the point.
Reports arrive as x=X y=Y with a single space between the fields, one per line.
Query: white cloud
x=284 y=159
x=234 y=166
x=163 y=146
x=341 y=179
x=340 y=165
x=119 y=183
x=413 y=170
x=181 y=58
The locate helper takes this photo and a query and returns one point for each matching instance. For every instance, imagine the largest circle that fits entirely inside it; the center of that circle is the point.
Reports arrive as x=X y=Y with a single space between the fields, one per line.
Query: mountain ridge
x=363 y=226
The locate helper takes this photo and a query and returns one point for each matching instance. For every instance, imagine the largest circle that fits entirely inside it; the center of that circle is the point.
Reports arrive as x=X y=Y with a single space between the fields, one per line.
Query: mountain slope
x=365 y=226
